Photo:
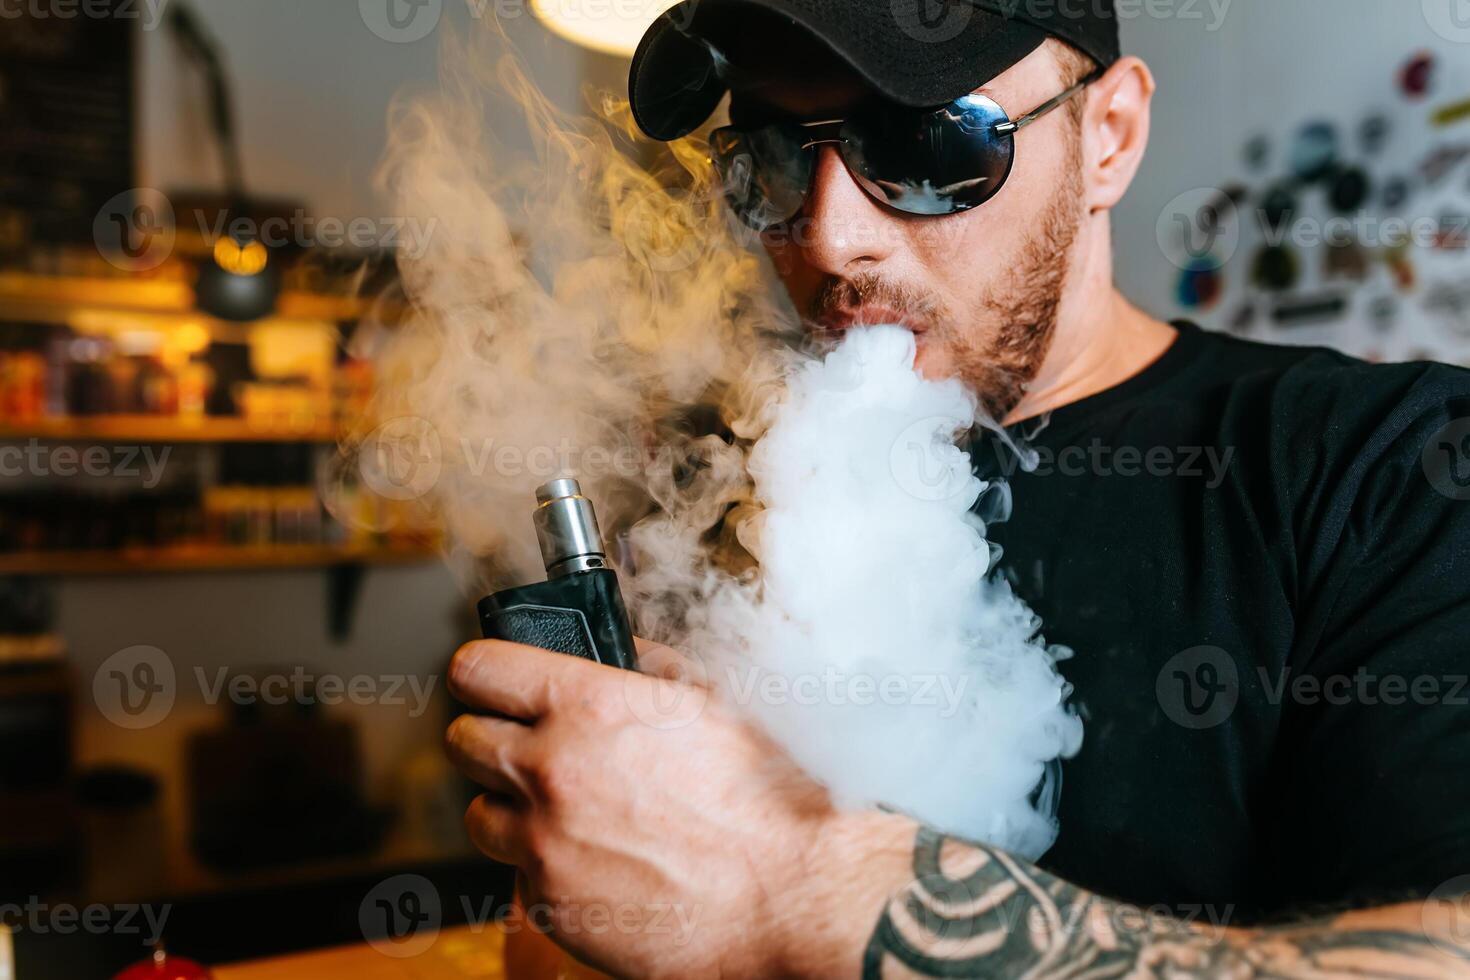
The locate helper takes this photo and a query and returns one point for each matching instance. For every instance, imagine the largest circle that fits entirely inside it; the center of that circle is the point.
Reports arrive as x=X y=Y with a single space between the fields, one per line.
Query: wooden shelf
x=51 y=299
x=165 y=429
x=204 y=558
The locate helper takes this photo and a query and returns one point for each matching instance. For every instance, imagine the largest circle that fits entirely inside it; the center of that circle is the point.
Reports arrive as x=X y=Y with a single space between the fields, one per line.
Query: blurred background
x=219 y=695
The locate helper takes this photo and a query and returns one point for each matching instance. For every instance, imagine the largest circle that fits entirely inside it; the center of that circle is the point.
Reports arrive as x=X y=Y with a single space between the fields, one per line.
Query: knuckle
x=458 y=734
x=466 y=667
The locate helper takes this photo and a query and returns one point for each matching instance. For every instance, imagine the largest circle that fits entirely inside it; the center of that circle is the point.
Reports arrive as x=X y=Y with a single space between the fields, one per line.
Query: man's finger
x=516 y=680
x=497 y=826
x=489 y=751
x=658 y=660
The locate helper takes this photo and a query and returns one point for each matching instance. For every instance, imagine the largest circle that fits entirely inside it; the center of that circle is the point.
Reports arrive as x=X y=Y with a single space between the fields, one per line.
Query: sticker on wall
x=1416 y=78
x=1449 y=303
x=1345 y=260
x=1396 y=192
x=1441 y=161
x=1350 y=189
x=1453 y=233
x=1258 y=152
x=1200 y=284
x=1401 y=264
x=1314 y=151
x=1244 y=317
x=1278 y=206
x=1383 y=313
x=1308 y=310
x=1373 y=133
x=1448 y=115
x=1275 y=269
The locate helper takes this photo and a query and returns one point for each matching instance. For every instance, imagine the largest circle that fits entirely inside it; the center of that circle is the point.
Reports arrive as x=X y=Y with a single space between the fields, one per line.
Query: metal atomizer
x=579 y=609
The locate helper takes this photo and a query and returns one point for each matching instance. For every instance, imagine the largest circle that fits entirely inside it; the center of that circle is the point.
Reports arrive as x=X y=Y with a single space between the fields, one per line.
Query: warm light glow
x=242 y=260
x=611 y=26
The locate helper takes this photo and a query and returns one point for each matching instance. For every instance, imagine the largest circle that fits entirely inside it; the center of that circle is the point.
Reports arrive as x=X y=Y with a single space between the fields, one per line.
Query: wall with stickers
x=1308 y=177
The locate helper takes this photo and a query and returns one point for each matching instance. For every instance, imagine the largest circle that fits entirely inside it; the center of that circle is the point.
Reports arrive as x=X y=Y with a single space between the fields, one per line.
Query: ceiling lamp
x=611 y=26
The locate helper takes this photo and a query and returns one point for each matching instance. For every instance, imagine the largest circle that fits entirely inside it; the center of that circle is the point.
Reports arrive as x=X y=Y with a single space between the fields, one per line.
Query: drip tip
x=566 y=528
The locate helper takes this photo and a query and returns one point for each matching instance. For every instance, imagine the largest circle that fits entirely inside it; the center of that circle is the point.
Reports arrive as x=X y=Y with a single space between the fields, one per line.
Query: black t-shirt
x=1261 y=558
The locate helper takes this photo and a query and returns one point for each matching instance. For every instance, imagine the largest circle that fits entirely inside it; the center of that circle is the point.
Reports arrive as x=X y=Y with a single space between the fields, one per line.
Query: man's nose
x=842 y=229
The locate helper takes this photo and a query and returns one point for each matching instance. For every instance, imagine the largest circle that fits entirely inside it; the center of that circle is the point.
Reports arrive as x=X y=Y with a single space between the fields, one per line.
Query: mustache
x=838 y=293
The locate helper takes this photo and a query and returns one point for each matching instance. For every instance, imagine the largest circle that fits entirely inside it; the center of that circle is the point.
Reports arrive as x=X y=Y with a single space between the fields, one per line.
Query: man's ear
x=1115 y=130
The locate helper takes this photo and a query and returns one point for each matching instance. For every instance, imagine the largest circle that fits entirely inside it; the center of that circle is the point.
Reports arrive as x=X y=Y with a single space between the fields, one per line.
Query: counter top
x=464 y=953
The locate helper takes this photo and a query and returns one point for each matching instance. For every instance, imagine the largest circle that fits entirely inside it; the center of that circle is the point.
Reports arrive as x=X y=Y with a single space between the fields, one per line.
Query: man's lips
x=868 y=315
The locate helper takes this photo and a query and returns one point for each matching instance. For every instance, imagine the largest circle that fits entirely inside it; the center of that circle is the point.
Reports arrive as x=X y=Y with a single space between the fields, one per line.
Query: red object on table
x=162 y=966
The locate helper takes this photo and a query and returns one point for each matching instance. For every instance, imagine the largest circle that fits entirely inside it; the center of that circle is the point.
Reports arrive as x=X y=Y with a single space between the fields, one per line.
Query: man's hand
x=668 y=837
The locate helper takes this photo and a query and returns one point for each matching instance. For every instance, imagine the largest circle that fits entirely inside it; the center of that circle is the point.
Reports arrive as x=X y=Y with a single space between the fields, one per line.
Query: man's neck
x=1101 y=339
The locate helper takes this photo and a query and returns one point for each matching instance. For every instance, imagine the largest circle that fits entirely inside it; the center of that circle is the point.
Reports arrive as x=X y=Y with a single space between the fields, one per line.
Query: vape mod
x=578 y=609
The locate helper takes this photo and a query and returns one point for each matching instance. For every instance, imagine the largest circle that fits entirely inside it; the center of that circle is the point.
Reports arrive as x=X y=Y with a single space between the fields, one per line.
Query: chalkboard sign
x=66 y=115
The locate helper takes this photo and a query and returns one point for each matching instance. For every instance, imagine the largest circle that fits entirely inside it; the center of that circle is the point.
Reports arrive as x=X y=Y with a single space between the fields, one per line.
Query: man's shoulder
x=1317 y=392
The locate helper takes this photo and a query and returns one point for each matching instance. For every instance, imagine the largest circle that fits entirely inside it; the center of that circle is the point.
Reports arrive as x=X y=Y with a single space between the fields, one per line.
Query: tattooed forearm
x=974 y=912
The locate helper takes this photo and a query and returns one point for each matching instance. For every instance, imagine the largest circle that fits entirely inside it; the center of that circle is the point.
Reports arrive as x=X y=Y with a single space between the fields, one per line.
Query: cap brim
x=677 y=77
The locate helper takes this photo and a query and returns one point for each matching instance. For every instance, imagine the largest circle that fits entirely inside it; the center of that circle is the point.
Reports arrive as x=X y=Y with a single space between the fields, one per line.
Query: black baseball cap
x=913 y=52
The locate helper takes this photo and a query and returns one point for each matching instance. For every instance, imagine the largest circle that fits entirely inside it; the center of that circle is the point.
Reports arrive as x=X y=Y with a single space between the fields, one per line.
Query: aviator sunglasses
x=924 y=161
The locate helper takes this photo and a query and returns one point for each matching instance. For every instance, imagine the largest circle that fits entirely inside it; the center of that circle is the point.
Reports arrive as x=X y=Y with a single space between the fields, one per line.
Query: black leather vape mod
x=578 y=609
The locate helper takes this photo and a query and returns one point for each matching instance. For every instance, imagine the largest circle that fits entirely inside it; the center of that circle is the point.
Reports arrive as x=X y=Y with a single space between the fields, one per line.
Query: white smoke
x=823 y=541
x=870 y=641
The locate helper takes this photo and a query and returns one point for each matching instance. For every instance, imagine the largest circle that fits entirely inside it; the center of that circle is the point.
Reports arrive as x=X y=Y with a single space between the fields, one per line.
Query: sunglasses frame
x=829 y=131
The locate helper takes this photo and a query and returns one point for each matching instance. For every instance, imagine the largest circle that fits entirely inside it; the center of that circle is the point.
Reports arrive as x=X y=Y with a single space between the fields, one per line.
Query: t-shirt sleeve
x=1373 y=765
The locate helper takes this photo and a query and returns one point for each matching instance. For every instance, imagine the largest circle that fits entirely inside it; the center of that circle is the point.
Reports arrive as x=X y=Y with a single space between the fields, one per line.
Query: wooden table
x=454 y=954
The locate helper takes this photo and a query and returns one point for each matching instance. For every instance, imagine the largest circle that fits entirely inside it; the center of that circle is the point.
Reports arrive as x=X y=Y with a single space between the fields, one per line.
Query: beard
x=1001 y=346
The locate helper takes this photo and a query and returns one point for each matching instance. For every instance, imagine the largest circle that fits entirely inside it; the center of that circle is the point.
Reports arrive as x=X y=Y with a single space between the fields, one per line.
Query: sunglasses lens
x=765 y=172
x=938 y=162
